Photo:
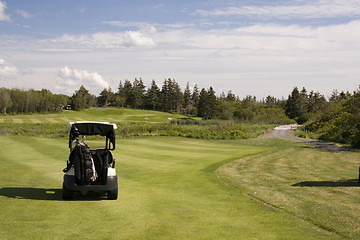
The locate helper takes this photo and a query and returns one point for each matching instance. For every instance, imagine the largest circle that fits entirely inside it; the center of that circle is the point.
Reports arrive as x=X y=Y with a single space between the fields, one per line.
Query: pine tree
x=212 y=104
x=203 y=107
x=127 y=92
x=208 y=105
x=188 y=104
x=296 y=105
x=106 y=97
x=120 y=97
x=153 y=96
x=137 y=93
x=230 y=96
x=195 y=96
x=171 y=96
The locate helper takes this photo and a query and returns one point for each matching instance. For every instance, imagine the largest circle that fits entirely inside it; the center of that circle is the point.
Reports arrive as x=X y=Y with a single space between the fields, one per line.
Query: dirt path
x=286 y=132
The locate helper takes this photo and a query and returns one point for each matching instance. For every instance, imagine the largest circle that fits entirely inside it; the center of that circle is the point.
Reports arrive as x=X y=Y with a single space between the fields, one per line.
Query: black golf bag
x=82 y=160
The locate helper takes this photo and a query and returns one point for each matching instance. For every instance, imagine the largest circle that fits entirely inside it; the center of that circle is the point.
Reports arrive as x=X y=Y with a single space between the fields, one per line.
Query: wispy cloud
x=3 y=16
x=81 y=10
x=127 y=39
x=301 y=10
x=125 y=24
x=24 y=13
x=122 y=39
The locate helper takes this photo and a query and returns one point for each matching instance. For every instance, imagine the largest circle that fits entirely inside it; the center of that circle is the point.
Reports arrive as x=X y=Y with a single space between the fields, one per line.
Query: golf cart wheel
x=67 y=194
x=113 y=194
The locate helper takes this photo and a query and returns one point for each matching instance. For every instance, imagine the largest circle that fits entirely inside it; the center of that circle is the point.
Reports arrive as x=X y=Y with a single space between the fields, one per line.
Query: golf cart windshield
x=93 y=128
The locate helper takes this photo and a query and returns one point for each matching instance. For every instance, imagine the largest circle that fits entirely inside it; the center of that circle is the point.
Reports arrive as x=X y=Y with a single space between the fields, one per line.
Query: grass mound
x=315 y=185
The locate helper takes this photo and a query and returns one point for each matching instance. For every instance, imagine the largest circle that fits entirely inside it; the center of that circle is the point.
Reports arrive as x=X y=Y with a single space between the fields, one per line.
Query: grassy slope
x=168 y=189
x=93 y=114
x=315 y=185
x=130 y=123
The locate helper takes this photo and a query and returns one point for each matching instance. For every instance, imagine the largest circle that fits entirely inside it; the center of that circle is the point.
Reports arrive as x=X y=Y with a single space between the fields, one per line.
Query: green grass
x=92 y=114
x=131 y=123
x=169 y=188
x=176 y=188
x=312 y=184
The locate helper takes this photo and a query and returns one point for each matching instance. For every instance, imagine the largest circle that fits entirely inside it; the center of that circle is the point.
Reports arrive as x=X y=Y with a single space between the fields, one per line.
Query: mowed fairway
x=92 y=114
x=168 y=189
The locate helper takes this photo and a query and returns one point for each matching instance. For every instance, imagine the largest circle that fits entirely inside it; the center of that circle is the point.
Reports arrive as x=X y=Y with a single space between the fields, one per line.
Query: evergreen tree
x=212 y=102
x=166 y=97
x=270 y=101
x=316 y=103
x=202 y=105
x=171 y=96
x=106 y=97
x=230 y=96
x=153 y=96
x=296 y=105
x=195 y=96
x=127 y=93
x=137 y=93
x=188 y=104
x=120 y=97
x=336 y=96
x=207 y=107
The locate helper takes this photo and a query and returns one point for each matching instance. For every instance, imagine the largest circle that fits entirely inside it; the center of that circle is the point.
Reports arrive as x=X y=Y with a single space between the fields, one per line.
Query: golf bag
x=81 y=159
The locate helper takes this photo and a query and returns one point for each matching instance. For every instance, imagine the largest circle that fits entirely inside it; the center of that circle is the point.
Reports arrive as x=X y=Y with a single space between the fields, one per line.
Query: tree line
x=336 y=118
x=30 y=101
x=169 y=97
x=194 y=101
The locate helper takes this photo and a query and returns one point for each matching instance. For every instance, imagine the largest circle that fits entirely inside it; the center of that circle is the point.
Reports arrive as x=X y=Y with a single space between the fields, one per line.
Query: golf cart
x=90 y=170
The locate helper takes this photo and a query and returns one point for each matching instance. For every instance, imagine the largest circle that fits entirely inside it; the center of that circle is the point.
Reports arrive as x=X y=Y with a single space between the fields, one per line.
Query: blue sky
x=253 y=47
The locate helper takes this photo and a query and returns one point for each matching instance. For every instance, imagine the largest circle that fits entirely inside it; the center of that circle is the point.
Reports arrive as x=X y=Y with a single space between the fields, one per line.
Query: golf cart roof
x=92 y=128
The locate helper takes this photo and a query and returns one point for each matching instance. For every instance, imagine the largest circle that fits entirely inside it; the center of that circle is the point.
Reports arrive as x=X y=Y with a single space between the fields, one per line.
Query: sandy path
x=286 y=132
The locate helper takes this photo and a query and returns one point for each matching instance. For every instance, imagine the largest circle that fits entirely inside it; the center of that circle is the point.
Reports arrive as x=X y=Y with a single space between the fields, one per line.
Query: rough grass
x=312 y=184
x=168 y=189
x=131 y=123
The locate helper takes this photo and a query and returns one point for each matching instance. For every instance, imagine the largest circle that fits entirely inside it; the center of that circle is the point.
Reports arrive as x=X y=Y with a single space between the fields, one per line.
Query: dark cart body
x=90 y=169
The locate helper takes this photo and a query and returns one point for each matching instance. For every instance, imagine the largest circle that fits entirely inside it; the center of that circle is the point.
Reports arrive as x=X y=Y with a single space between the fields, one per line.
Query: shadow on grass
x=45 y=194
x=338 y=183
x=32 y=193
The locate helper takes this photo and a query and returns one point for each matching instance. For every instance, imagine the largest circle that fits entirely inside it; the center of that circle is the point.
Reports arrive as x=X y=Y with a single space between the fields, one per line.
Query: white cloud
x=271 y=37
x=24 y=13
x=7 y=70
x=73 y=79
x=3 y=16
x=127 y=39
x=123 y=39
x=259 y=60
x=302 y=10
